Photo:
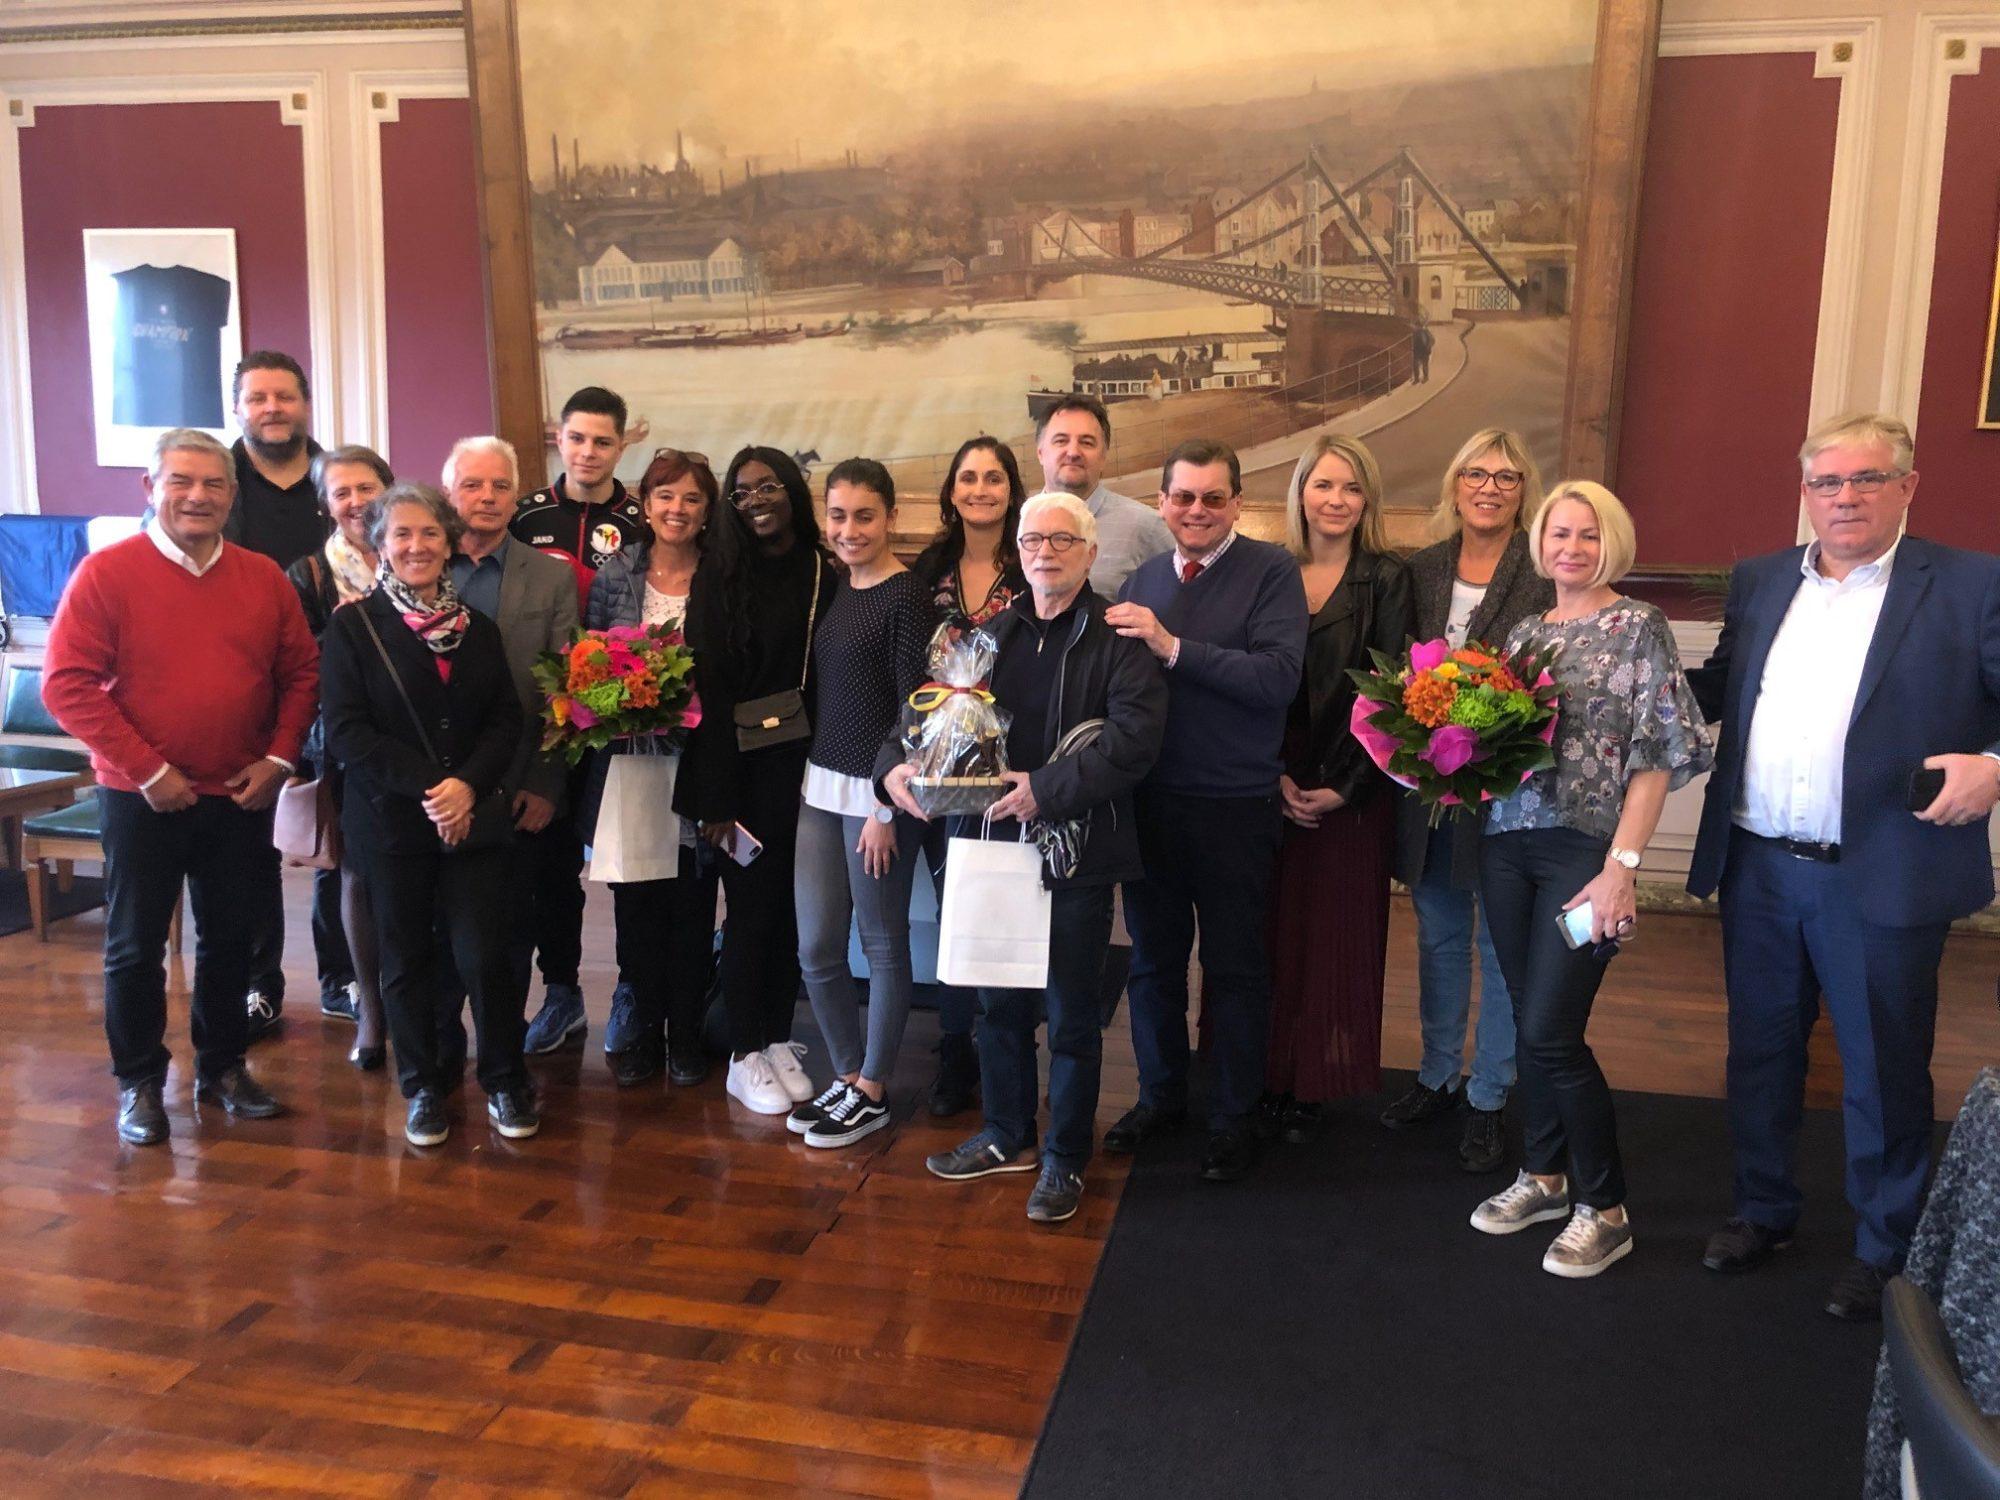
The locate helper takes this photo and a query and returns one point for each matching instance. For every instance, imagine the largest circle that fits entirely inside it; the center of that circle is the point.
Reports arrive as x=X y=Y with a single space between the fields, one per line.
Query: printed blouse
x=1625 y=707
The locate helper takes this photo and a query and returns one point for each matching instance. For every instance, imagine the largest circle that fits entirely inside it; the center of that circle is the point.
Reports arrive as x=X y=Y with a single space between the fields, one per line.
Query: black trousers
x=267 y=933
x=467 y=897
x=551 y=865
x=336 y=964
x=1566 y=1115
x=1208 y=859
x=760 y=939
x=218 y=850
x=666 y=940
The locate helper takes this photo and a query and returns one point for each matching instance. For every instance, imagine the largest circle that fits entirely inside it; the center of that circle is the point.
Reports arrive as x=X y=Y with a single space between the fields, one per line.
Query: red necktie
x=1191 y=570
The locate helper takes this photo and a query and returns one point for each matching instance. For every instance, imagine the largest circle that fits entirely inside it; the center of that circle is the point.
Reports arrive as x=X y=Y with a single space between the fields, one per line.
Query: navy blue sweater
x=1242 y=628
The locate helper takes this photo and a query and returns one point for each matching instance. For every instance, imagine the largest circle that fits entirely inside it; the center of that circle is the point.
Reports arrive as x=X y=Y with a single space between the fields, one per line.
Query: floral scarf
x=352 y=573
x=442 y=625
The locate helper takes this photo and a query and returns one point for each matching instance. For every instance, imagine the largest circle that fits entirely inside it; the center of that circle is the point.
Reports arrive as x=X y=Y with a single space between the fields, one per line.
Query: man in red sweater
x=184 y=663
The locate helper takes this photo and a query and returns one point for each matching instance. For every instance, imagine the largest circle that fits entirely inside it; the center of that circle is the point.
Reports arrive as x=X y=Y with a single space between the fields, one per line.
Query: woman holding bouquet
x=756 y=600
x=665 y=928
x=1477 y=583
x=973 y=570
x=1627 y=731
x=1340 y=811
x=857 y=855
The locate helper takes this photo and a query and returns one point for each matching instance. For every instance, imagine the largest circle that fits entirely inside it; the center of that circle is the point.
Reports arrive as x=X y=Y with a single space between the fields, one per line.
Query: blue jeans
x=830 y=888
x=1079 y=934
x=1449 y=922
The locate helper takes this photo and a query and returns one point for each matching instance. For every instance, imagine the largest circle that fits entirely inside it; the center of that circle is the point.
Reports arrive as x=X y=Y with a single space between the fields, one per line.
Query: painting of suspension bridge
x=1332 y=219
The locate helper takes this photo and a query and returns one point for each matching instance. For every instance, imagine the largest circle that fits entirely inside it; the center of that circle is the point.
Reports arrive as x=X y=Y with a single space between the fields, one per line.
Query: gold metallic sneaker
x=1527 y=1202
x=1588 y=1245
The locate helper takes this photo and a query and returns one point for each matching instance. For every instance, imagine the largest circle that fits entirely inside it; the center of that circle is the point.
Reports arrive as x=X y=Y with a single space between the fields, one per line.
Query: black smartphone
x=1925 y=784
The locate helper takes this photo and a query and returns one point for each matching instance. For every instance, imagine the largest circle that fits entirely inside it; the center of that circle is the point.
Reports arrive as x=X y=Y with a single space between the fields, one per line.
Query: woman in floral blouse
x=1627 y=733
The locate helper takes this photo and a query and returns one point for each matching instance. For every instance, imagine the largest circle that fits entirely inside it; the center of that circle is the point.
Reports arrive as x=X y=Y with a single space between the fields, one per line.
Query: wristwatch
x=885 y=814
x=1629 y=858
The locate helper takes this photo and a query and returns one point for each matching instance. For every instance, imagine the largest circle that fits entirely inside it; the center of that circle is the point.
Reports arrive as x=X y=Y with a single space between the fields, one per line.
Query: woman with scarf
x=342 y=571
x=422 y=717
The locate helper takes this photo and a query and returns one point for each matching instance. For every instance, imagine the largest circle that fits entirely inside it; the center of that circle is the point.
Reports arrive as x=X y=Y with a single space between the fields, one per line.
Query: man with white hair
x=1058 y=666
x=184 y=663
x=1857 y=680
x=531 y=596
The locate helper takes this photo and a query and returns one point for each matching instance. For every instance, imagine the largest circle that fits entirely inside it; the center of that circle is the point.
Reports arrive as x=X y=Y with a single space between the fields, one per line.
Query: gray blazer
x=1515 y=592
x=537 y=614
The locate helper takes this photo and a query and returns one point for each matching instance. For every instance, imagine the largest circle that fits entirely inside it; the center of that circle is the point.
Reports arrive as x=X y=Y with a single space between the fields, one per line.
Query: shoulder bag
x=781 y=718
x=492 y=819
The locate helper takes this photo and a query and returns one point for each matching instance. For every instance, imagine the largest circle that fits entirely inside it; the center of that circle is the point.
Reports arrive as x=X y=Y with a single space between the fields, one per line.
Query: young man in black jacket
x=1059 y=666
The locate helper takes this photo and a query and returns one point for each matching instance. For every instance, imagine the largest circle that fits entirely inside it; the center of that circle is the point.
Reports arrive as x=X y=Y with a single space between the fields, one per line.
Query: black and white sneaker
x=266 y=1016
x=848 y=1119
x=426 y=1124
x=804 y=1116
x=981 y=1156
x=513 y=1113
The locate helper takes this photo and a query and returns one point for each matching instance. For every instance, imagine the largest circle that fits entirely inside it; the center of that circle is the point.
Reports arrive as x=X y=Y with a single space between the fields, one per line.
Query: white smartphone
x=1575 y=925
x=746 y=846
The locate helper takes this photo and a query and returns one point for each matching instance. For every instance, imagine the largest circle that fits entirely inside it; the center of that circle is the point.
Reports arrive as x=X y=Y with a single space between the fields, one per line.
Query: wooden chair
x=31 y=740
x=62 y=838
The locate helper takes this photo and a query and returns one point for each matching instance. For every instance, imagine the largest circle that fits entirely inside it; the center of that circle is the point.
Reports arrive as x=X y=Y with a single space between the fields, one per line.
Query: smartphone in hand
x=1925 y=784
x=1575 y=925
x=745 y=847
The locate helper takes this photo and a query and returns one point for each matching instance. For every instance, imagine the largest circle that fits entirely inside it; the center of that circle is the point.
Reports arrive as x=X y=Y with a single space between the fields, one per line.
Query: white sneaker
x=785 y=1060
x=756 y=1087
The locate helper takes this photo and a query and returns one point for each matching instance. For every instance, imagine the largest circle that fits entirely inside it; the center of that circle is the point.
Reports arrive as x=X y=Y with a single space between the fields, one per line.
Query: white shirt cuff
x=1175 y=654
x=147 y=784
x=287 y=766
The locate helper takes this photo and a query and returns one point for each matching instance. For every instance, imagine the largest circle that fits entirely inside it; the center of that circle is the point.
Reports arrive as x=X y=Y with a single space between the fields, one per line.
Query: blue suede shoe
x=560 y=1022
x=621 y=1032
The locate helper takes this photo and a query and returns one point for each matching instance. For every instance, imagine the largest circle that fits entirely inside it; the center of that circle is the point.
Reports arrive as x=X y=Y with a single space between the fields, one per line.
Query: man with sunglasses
x=1857 y=680
x=1226 y=616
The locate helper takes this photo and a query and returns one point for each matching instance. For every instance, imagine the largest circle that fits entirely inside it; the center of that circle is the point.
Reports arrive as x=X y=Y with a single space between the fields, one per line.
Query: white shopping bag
x=638 y=835
x=993 y=929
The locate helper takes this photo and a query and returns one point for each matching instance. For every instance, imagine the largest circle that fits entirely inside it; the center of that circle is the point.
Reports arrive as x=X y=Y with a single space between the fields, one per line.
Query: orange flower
x=1428 y=699
x=559 y=709
x=642 y=692
x=1472 y=658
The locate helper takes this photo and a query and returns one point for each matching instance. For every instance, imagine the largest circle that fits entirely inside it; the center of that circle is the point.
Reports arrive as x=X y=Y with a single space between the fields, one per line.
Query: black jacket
x=1103 y=676
x=1371 y=609
x=474 y=722
x=319 y=599
x=1515 y=592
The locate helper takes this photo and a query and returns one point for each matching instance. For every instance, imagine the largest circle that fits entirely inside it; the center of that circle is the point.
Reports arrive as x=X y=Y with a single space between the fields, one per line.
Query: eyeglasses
x=682 y=453
x=1055 y=541
x=1867 y=482
x=1504 y=480
x=1212 y=500
x=767 y=492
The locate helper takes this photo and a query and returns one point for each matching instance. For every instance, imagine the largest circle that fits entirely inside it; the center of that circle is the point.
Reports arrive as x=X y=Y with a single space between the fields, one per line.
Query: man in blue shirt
x=1226 y=616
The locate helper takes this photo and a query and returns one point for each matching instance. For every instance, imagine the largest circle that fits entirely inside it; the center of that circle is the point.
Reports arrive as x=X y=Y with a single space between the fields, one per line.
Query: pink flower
x=1428 y=654
x=1380 y=747
x=580 y=716
x=1451 y=749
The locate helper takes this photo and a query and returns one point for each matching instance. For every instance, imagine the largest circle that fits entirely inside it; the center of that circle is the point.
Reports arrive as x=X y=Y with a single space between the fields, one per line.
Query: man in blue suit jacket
x=1844 y=668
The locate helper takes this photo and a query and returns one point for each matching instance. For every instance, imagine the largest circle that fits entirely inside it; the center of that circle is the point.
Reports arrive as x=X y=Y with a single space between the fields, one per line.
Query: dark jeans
x=551 y=871
x=1079 y=934
x=957 y=1004
x=469 y=898
x=218 y=849
x=760 y=939
x=266 y=908
x=666 y=939
x=335 y=963
x=1208 y=860
x=1566 y=1115
x=1793 y=930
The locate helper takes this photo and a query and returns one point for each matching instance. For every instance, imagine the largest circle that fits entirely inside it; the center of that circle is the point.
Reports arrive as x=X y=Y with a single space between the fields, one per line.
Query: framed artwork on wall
x=1989 y=384
x=165 y=334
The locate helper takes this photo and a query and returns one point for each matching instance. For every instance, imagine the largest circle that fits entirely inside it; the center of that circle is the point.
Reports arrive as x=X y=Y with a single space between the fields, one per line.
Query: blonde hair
x=1446 y=521
x=1862 y=427
x=1062 y=500
x=1371 y=533
x=1618 y=543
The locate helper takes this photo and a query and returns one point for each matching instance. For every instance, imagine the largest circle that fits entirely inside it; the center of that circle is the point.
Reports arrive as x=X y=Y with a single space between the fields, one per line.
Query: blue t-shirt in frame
x=166 y=368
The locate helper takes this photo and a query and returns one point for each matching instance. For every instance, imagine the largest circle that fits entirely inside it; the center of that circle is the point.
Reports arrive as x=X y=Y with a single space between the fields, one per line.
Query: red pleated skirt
x=1329 y=938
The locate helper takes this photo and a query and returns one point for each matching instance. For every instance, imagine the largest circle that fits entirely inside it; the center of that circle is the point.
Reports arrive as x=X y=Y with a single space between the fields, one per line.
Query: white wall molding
x=17 y=401
x=1946 y=47
x=374 y=100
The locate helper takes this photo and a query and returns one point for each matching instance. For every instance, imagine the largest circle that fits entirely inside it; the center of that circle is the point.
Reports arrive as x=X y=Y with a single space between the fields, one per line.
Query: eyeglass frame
x=1034 y=541
x=1188 y=499
x=1500 y=486
x=740 y=497
x=1865 y=482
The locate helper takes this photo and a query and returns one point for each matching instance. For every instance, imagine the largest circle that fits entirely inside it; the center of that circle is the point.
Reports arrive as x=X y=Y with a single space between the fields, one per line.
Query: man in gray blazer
x=532 y=598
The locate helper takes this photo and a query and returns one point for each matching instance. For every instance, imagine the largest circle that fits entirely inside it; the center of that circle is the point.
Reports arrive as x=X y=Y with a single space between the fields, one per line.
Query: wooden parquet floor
x=661 y=1294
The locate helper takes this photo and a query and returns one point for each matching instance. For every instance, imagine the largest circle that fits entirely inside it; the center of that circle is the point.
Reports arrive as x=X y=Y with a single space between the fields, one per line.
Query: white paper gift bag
x=638 y=835
x=993 y=929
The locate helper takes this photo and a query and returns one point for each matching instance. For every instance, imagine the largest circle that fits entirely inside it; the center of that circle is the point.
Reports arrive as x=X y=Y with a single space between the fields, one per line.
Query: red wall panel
x=1725 y=304
x=114 y=166
x=1959 y=462
x=439 y=382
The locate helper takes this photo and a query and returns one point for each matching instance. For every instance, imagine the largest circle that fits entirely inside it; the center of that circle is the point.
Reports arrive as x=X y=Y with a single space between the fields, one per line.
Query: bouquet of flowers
x=629 y=683
x=1457 y=727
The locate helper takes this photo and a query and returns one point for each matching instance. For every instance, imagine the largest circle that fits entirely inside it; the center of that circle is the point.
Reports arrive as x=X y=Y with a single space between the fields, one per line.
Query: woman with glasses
x=973 y=570
x=1340 y=812
x=1476 y=583
x=665 y=928
x=856 y=853
x=342 y=571
x=1559 y=860
x=762 y=588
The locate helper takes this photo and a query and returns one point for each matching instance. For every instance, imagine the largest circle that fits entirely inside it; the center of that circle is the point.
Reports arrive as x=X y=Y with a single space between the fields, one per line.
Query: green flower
x=1477 y=710
x=605 y=699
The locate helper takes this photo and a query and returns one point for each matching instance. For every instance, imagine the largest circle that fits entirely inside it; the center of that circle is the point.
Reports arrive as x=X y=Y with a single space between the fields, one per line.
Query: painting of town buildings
x=880 y=231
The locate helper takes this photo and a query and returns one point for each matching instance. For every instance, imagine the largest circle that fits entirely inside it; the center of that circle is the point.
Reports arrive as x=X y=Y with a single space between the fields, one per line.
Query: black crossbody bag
x=492 y=818
x=781 y=718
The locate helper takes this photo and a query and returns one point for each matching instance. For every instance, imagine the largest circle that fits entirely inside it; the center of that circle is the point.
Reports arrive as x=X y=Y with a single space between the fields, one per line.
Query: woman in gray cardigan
x=1476 y=583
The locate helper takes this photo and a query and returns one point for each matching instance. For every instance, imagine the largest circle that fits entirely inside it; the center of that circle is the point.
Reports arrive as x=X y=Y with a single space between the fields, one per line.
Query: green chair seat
x=80 y=820
x=42 y=758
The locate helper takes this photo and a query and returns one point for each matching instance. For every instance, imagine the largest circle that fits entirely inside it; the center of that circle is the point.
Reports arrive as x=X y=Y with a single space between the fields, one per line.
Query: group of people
x=1177 y=696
